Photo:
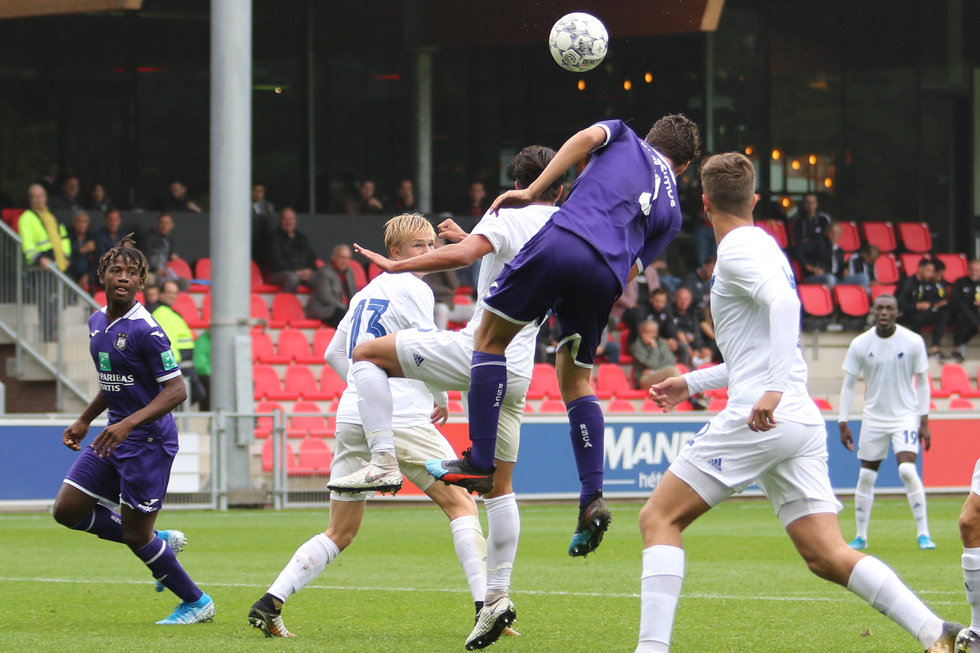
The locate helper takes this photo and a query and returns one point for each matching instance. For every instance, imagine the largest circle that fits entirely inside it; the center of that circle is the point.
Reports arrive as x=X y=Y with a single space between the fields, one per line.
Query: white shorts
x=442 y=359
x=413 y=446
x=788 y=462
x=975 y=485
x=874 y=439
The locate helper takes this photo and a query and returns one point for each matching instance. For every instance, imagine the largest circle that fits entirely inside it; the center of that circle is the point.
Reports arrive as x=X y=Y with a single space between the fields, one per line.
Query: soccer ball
x=578 y=42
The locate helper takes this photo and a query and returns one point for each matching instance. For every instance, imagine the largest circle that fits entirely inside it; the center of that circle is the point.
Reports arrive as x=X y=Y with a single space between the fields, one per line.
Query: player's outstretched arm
x=450 y=231
x=447 y=257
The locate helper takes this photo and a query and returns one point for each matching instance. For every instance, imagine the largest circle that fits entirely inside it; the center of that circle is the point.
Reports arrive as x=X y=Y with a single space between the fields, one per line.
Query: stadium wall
x=638 y=451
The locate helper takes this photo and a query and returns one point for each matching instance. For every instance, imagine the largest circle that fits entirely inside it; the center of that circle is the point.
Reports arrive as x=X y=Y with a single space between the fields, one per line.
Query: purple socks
x=588 y=434
x=162 y=562
x=488 y=383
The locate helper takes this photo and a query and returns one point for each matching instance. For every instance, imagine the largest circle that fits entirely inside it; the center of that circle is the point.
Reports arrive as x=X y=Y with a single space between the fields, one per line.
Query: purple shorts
x=558 y=270
x=136 y=474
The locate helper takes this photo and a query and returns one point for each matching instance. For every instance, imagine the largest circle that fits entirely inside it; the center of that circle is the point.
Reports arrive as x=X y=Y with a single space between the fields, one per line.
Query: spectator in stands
x=965 y=301
x=151 y=297
x=404 y=200
x=653 y=360
x=709 y=352
x=81 y=266
x=444 y=284
x=68 y=197
x=177 y=199
x=180 y=335
x=98 y=199
x=861 y=268
x=809 y=224
x=687 y=322
x=109 y=234
x=333 y=286
x=260 y=205
x=158 y=246
x=476 y=204
x=48 y=179
x=924 y=303
x=44 y=241
x=699 y=282
x=290 y=257
x=659 y=310
x=365 y=202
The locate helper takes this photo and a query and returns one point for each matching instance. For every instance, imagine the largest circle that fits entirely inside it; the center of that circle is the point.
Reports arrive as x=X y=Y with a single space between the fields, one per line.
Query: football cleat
x=925 y=542
x=191 y=612
x=858 y=543
x=461 y=472
x=946 y=641
x=593 y=521
x=491 y=622
x=967 y=642
x=267 y=620
x=370 y=477
x=176 y=541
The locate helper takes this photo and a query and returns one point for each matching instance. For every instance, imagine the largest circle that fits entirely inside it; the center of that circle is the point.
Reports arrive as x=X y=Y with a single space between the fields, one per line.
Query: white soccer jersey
x=391 y=302
x=507 y=232
x=750 y=265
x=889 y=366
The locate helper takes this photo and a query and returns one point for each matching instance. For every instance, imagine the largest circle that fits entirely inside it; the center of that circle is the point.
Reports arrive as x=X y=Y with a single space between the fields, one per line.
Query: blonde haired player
x=389 y=303
x=895 y=365
x=770 y=433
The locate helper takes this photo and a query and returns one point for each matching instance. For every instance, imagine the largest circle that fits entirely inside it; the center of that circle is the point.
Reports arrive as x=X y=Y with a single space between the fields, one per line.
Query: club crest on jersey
x=121 y=341
x=104 y=365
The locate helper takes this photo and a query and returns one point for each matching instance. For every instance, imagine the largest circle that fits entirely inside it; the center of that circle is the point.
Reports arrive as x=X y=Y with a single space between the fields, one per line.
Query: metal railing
x=45 y=314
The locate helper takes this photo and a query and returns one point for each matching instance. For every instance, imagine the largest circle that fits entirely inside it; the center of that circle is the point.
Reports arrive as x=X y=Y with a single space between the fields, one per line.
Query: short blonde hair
x=729 y=182
x=404 y=227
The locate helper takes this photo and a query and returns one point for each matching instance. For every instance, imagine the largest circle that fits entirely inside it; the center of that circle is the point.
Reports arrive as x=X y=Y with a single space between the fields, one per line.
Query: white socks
x=876 y=583
x=660 y=588
x=504 y=528
x=916 y=494
x=864 y=498
x=971 y=578
x=374 y=404
x=471 y=551
x=305 y=565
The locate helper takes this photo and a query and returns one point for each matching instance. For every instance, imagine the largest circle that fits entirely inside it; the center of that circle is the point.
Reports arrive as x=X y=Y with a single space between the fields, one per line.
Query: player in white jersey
x=895 y=365
x=442 y=359
x=770 y=433
x=390 y=302
x=968 y=641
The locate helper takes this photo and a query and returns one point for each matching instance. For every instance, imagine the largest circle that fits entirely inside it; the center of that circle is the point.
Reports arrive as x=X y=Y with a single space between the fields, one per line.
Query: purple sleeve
x=158 y=354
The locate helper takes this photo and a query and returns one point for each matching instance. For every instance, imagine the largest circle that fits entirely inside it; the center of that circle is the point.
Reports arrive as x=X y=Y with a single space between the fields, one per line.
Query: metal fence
x=45 y=314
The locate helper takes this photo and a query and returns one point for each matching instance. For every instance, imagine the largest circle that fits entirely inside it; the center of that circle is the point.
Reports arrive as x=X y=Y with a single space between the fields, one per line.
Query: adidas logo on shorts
x=716 y=463
x=418 y=359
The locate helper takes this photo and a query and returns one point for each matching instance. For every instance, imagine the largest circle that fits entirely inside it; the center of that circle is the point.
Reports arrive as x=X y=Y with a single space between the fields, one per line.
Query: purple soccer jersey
x=625 y=203
x=133 y=357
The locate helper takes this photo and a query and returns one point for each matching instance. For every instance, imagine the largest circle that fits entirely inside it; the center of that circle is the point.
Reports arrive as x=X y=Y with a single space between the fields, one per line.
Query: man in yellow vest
x=40 y=232
x=181 y=337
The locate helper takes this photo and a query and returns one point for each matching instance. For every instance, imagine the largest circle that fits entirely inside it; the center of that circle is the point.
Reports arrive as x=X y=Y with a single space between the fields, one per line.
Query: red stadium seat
x=300 y=383
x=852 y=300
x=257 y=283
x=776 y=229
x=314 y=425
x=624 y=347
x=915 y=236
x=879 y=289
x=267 y=384
x=822 y=403
x=954 y=380
x=910 y=262
x=881 y=234
x=288 y=311
x=257 y=308
x=292 y=467
x=293 y=343
x=181 y=268
x=717 y=404
x=956 y=266
x=202 y=269
x=373 y=271
x=960 y=404
x=611 y=382
x=185 y=305
x=936 y=392
x=264 y=424
x=544 y=382
x=10 y=216
x=455 y=408
x=621 y=406
x=552 y=406
x=816 y=300
x=886 y=269
x=321 y=339
x=315 y=456
x=330 y=382
x=264 y=352
x=360 y=276
x=850 y=236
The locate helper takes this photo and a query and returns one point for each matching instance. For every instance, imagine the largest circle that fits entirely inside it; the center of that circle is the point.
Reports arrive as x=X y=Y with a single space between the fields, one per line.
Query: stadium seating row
x=913 y=236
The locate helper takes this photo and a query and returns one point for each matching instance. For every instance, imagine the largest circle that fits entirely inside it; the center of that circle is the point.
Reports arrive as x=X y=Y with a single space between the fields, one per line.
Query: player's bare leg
x=587 y=433
x=968 y=640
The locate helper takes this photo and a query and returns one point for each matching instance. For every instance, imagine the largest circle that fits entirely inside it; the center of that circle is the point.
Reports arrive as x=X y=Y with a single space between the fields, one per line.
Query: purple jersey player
x=619 y=216
x=128 y=463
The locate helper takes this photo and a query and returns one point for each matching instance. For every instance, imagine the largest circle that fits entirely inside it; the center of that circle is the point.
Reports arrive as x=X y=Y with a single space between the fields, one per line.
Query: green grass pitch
x=398 y=588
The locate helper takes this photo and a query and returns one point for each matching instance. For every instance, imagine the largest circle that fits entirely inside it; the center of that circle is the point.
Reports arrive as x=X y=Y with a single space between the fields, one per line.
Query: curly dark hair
x=127 y=249
x=528 y=164
x=677 y=137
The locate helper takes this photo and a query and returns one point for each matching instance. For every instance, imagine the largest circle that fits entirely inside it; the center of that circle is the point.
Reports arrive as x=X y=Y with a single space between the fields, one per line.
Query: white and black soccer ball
x=578 y=42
